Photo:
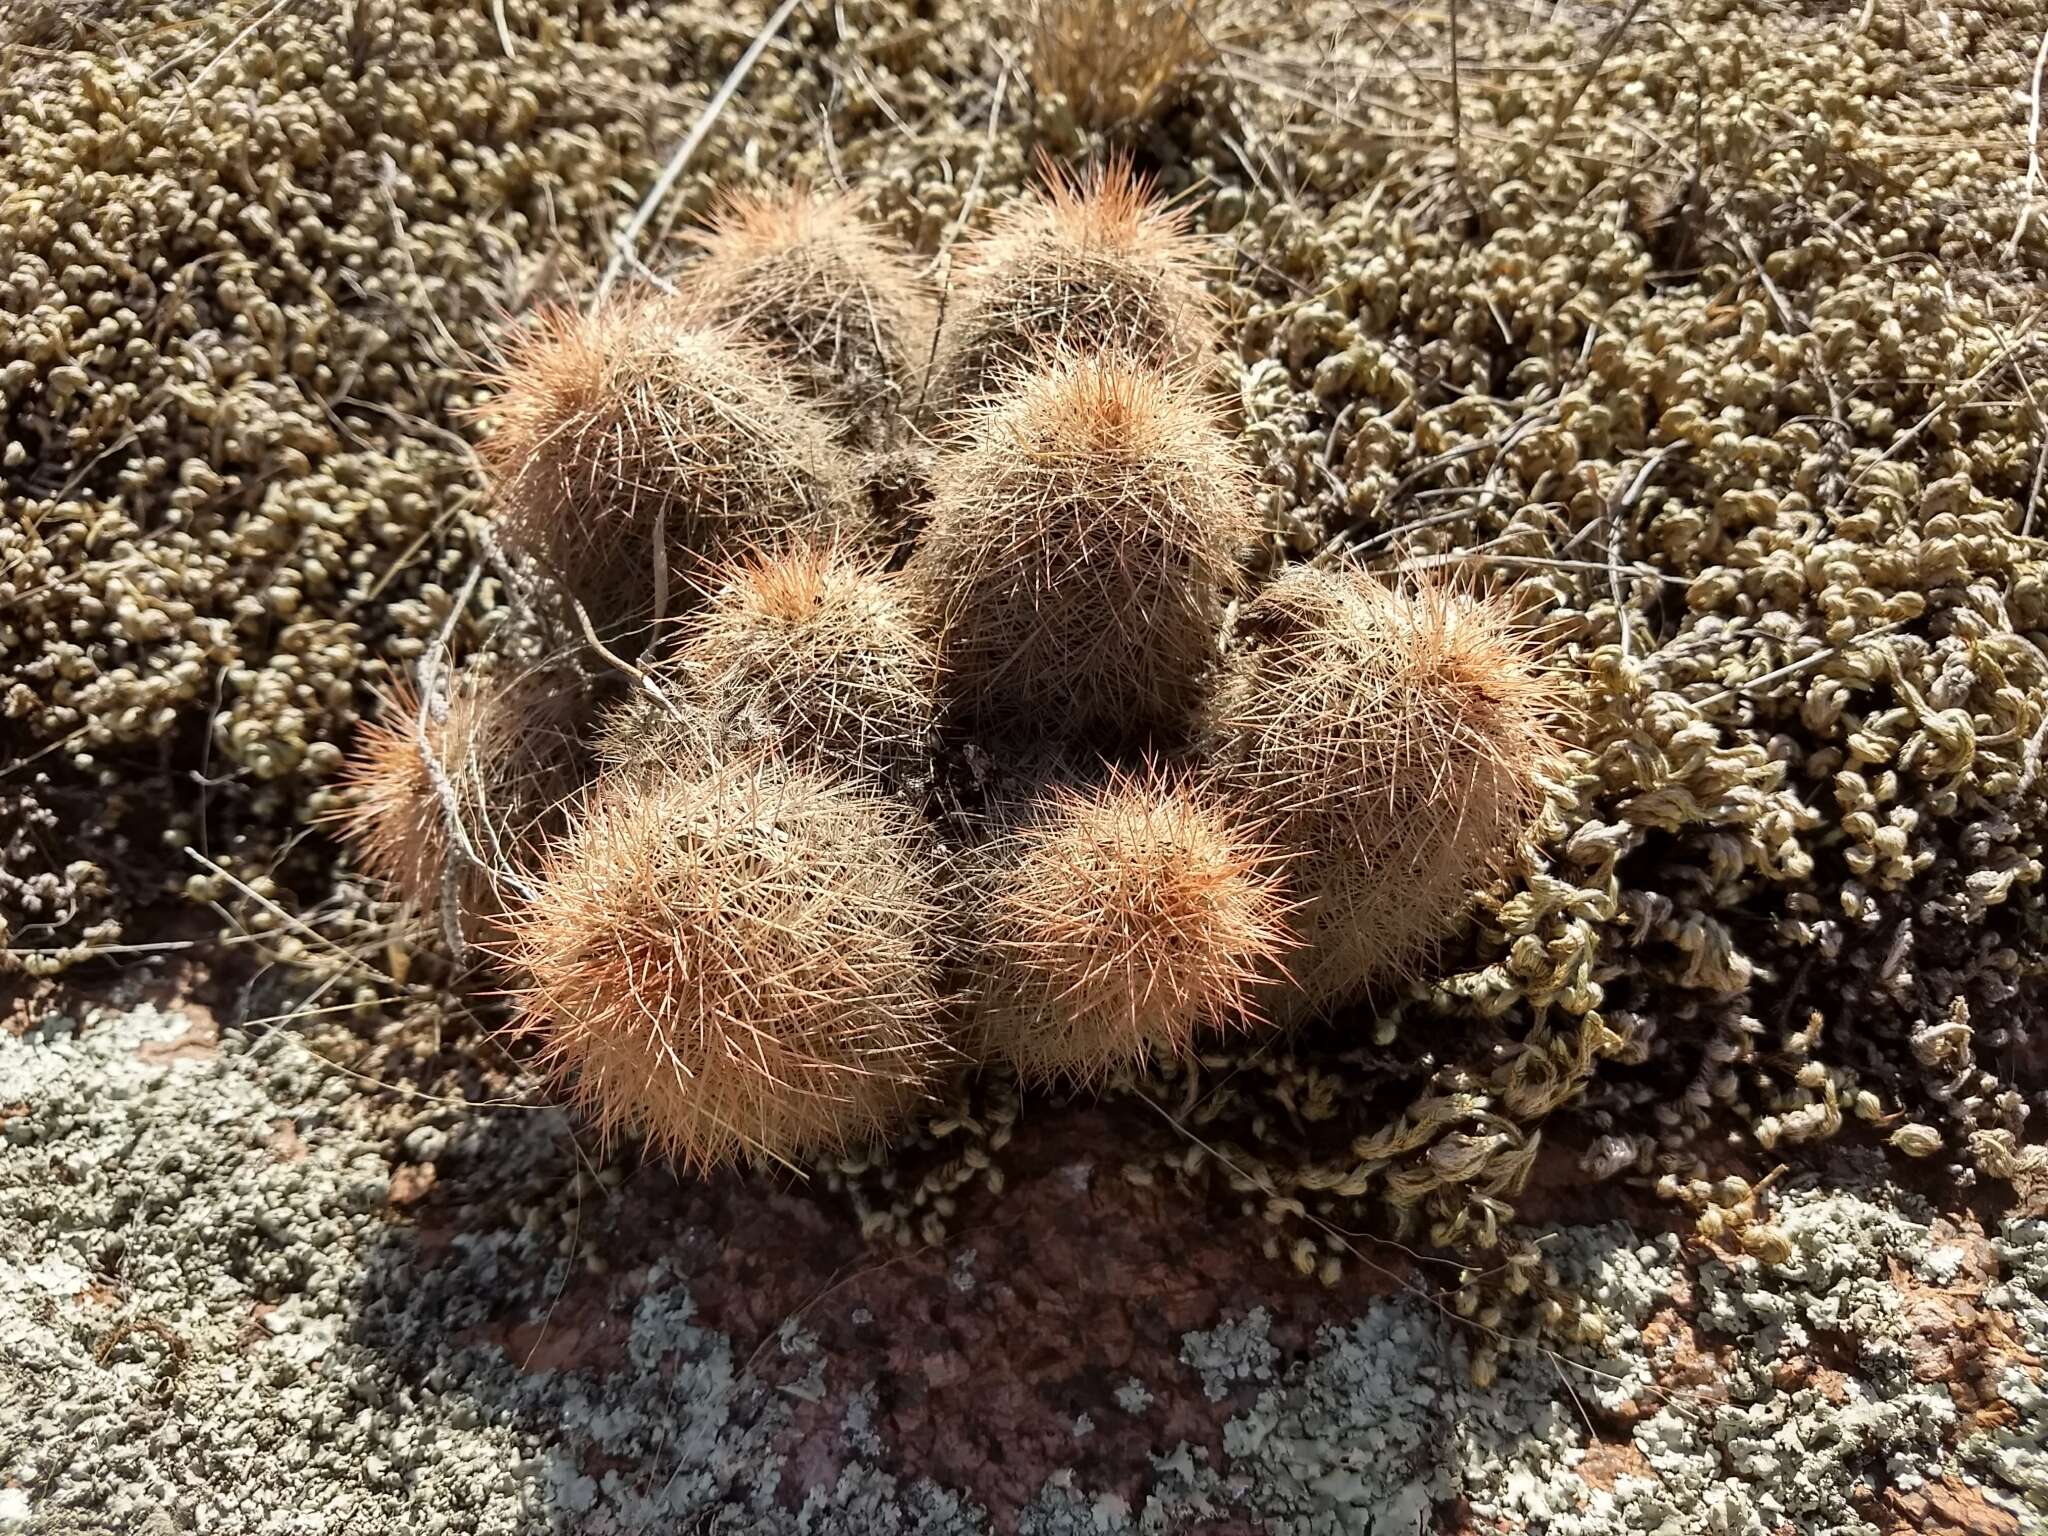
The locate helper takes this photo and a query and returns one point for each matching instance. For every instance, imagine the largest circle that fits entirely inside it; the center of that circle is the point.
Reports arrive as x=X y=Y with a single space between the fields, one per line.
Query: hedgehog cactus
x=1090 y=264
x=632 y=446
x=811 y=654
x=737 y=963
x=1081 y=545
x=1397 y=742
x=1121 y=918
x=841 y=307
x=735 y=945
x=504 y=753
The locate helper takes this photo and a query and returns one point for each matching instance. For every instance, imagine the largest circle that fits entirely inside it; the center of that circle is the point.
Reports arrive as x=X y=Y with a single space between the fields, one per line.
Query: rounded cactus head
x=809 y=655
x=1080 y=547
x=738 y=962
x=390 y=812
x=1122 y=918
x=508 y=751
x=819 y=657
x=839 y=304
x=1093 y=263
x=1398 y=741
x=630 y=445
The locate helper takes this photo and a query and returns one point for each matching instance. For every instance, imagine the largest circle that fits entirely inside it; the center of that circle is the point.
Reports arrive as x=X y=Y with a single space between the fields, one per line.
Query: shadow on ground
x=731 y=1348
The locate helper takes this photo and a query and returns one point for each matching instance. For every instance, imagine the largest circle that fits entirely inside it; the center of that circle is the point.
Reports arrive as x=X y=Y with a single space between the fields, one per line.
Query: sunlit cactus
x=1081 y=545
x=839 y=304
x=1093 y=263
x=1119 y=919
x=739 y=963
x=810 y=655
x=1115 y=61
x=630 y=445
x=1397 y=742
x=442 y=803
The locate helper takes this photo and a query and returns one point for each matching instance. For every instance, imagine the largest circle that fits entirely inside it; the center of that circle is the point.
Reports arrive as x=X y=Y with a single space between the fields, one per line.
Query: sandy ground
x=243 y=1290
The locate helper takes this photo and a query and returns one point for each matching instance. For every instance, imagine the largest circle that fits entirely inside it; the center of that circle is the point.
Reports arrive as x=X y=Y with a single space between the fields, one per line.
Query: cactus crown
x=632 y=446
x=739 y=963
x=841 y=308
x=1082 y=542
x=1091 y=263
x=1123 y=917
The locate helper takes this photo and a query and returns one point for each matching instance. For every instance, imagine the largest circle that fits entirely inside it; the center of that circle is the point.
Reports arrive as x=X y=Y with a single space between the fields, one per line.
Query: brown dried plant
x=1398 y=742
x=1114 y=61
x=1081 y=544
x=630 y=446
x=736 y=963
x=1092 y=263
x=1122 y=918
x=812 y=655
x=510 y=754
x=839 y=304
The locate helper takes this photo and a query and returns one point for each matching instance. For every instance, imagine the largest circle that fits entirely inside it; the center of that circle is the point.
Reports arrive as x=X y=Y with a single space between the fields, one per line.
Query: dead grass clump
x=1113 y=61
x=631 y=446
x=54 y=25
x=1093 y=263
x=1122 y=918
x=1397 y=742
x=1080 y=547
x=739 y=963
x=840 y=305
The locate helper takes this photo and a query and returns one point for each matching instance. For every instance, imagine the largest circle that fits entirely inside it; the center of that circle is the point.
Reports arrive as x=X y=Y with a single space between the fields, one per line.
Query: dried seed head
x=1119 y=919
x=1398 y=743
x=630 y=446
x=1093 y=263
x=839 y=305
x=737 y=963
x=1080 y=547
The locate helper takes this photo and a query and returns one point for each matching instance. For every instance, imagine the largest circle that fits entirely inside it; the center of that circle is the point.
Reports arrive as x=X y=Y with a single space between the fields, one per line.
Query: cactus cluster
x=1061 y=787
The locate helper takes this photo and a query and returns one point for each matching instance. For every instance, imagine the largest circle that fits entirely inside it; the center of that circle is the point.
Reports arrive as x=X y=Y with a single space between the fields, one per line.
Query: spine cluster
x=1061 y=788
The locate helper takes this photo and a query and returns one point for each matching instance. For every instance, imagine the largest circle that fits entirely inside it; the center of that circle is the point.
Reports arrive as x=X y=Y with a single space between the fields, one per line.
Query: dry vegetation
x=1708 y=332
